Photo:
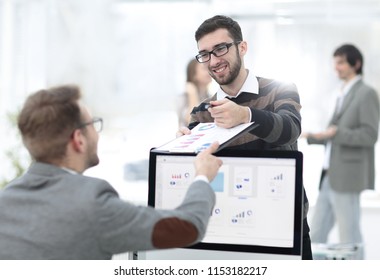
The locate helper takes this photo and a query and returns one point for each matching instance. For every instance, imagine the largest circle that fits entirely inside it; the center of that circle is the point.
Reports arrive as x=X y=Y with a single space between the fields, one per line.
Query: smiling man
x=242 y=97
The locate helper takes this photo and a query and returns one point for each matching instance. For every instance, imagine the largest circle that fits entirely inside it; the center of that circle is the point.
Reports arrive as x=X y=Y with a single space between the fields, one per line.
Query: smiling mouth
x=220 y=69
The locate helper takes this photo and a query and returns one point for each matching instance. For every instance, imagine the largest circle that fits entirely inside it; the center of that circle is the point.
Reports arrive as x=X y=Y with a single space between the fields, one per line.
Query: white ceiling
x=297 y=10
x=301 y=9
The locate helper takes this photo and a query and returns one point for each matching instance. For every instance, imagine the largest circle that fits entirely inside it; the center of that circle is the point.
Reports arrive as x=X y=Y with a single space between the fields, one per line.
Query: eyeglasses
x=96 y=122
x=220 y=50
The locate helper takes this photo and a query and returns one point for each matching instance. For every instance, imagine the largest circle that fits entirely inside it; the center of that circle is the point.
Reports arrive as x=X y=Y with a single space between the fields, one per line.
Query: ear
x=243 y=47
x=358 y=64
x=78 y=141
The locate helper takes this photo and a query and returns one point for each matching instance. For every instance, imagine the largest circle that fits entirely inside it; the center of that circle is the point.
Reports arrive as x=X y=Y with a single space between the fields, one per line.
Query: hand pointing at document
x=206 y=163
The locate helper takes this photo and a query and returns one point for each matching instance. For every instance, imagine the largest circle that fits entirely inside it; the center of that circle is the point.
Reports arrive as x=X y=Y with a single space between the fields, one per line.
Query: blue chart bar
x=218 y=183
x=242 y=216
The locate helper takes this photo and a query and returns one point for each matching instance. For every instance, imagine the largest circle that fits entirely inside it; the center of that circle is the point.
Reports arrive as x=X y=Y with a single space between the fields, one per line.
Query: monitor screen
x=258 y=198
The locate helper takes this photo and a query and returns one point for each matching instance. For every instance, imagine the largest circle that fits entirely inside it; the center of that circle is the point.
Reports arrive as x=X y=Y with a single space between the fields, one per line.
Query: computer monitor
x=259 y=201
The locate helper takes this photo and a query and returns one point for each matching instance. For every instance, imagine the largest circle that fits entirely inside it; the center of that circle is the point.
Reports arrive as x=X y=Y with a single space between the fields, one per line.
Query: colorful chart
x=206 y=126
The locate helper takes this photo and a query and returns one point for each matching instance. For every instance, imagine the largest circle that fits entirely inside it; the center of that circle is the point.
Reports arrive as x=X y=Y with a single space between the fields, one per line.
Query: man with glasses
x=242 y=97
x=53 y=211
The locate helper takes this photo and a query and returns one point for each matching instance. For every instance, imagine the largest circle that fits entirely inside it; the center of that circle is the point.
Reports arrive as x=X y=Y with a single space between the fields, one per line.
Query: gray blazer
x=352 y=161
x=49 y=213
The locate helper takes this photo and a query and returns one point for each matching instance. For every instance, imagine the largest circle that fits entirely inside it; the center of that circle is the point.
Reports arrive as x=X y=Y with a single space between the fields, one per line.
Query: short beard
x=230 y=78
x=92 y=158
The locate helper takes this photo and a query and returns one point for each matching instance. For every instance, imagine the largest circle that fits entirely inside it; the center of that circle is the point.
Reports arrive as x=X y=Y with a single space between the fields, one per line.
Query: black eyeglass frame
x=93 y=121
x=225 y=45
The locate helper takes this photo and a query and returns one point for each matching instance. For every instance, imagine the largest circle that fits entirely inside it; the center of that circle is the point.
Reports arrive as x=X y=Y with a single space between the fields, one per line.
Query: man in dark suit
x=349 y=166
x=53 y=211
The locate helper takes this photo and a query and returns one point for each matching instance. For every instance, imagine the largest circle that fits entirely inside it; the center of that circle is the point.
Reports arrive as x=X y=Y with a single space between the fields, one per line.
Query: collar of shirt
x=346 y=87
x=69 y=170
x=250 y=85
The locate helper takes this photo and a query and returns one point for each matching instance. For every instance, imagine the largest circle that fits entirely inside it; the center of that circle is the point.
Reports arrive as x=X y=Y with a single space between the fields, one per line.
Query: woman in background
x=196 y=90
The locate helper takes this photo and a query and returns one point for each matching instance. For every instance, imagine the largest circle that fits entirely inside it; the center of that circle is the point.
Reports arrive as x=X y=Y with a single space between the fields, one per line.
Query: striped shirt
x=276 y=108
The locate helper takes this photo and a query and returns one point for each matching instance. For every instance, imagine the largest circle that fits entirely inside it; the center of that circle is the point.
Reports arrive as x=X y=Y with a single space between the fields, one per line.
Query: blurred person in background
x=196 y=90
x=349 y=164
x=243 y=97
x=53 y=211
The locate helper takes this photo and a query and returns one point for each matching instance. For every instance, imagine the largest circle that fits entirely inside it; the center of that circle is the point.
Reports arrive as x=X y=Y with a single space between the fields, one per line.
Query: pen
x=208 y=105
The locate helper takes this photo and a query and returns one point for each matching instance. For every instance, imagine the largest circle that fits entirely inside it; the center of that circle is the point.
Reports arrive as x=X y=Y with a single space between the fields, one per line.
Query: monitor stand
x=197 y=254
